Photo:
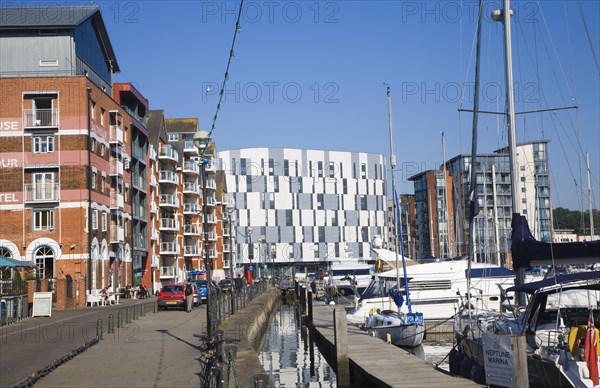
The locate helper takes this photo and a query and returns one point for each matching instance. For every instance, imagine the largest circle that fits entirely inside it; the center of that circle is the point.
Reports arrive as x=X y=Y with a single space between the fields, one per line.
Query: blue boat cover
x=532 y=287
x=491 y=272
x=525 y=247
x=397 y=296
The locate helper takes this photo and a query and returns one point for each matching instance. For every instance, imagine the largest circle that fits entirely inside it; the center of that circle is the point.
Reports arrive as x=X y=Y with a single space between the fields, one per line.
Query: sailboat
x=553 y=323
x=395 y=326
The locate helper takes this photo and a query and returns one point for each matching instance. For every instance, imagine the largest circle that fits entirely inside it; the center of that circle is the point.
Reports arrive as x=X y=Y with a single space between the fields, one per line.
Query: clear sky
x=310 y=74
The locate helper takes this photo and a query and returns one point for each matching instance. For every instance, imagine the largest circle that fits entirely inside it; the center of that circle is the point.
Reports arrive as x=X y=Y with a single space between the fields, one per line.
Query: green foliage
x=578 y=221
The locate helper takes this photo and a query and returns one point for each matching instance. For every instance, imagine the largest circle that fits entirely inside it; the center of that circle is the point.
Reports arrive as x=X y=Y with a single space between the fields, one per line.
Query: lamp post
x=229 y=208
x=250 y=251
x=201 y=141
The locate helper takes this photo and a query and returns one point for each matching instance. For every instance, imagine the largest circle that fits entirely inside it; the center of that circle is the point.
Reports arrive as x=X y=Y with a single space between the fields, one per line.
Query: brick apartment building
x=91 y=191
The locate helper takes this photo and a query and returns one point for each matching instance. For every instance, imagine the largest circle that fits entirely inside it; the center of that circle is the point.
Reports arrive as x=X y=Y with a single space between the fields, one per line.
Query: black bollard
x=120 y=319
x=99 y=329
x=155 y=306
x=111 y=324
x=135 y=313
x=310 y=307
x=143 y=310
x=127 y=315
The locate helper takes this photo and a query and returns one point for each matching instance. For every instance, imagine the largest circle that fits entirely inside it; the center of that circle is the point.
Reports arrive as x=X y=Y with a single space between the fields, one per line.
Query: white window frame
x=94 y=176
x=38 y=216
x=38 y=141
x=95 y=219
x=173 y=137
x=102 y=182
x=102 y=148
x=104 y=222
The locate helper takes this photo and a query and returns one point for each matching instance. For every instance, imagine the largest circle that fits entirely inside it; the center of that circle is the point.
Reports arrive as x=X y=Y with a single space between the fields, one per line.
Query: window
x=363 y=171
x=92 y=109
x=44 y=186
x=173 y=137
x=43 y=219
x=102 y=113
x=243 y=166
x=289 y=218
x=127 y=193
x=276 y=184
x=93 y=145
x=320 y=169
x=286 y=167
x=43 y=144
x=271 y=167
x=102 y=147
x=102 y=182
x=94 y=176
x=104 y=221
x=331 y=169
x=94 y=219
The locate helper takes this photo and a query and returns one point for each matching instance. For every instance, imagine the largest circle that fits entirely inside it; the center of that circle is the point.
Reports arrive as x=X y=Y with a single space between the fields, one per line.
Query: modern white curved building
x=299 y=209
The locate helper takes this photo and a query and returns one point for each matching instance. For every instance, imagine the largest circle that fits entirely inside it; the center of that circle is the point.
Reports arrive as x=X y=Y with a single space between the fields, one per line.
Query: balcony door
x=43 y=186
x=43 y=108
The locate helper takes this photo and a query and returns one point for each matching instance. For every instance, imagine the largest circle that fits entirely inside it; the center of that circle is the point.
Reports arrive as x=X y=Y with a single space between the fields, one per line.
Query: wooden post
x=519 y=357
x=341 y=347
x=310 y=307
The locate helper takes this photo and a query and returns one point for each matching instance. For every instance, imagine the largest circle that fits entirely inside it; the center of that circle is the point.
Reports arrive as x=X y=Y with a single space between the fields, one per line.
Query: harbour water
x=292 y=359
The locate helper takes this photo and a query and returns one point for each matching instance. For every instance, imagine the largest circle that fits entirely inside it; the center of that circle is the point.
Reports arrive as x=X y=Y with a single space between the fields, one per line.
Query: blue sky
x=310 y=74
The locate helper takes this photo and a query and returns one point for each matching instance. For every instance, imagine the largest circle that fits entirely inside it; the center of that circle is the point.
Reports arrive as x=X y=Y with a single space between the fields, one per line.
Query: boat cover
x=527 y=251
x=563 y=279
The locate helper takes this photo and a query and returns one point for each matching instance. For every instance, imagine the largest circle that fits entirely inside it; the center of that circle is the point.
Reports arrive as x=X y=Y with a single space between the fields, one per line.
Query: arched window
x=5 y=252
x=44 y=259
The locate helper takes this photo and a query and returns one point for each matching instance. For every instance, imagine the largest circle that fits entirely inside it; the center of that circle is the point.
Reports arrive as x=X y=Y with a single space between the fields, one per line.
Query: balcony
x=168 y=224
x=154 y=234
x=211 y=184
x=155 y=261
x=191 y=209
x=44 y=192
x=117 y=235
x=40 y=118
x=210 y=201
x=140 y=212
x=191 y=250
x=211 y=219
x=212 y=253
x=169 y=248
x=168 y=201
x=117 y=201
x=191 y=230
x=116 y=134
x=190 y=188
x=167 y=177
x=209 y=167
x=189 y=147
x=139 y=182
x=139 y=153
x=153 y=207
x=168 y=272
x=116 y=167
x=212 y=236
x=152 y=153
x=226 y=248
x=153 y=181
x=167 y=153
x=190 y=167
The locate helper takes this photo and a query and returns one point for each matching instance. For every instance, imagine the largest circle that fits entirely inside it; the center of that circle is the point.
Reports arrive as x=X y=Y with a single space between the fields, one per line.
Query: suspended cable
x=587 y=32
x=226 y=76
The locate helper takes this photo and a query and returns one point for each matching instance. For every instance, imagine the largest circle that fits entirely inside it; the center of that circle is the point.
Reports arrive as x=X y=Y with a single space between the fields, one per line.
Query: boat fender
x=454 y=359
x=478 y=374
x=465 y=367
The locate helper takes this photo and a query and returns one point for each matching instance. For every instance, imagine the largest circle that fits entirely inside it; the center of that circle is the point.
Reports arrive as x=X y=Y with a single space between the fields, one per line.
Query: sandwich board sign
x=498 y=360
x=42 y=304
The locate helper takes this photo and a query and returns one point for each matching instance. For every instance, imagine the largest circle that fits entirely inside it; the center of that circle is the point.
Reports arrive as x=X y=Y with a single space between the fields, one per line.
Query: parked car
x=226 y=285
x=172 y=295
x=202 y=288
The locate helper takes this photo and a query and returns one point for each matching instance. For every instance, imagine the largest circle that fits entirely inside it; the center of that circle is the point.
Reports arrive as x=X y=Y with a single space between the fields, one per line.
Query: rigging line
x=226 y=76
x=587 y=32
x=554 y=48
x=568 y=29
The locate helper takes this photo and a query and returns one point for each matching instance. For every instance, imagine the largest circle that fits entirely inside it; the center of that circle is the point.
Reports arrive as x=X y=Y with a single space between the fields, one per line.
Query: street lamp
x=250 y=251
x=230 y=208
x=201 y=141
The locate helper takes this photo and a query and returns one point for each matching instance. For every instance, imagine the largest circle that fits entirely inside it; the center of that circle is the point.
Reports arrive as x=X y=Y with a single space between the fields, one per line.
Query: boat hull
x=408 y=335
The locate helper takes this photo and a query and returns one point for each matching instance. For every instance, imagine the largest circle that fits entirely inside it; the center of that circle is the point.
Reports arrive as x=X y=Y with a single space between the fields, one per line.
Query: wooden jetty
x=372 y=362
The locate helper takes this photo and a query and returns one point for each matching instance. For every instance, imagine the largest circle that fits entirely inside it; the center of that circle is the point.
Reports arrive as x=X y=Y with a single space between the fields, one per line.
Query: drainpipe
x=89 y=188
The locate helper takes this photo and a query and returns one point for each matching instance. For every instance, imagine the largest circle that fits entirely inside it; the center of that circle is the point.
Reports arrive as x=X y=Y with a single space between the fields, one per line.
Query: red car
x=173 y=295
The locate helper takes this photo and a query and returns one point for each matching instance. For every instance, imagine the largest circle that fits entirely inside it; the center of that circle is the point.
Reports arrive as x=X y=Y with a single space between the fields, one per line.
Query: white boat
x=437 y=289
x=348 y=276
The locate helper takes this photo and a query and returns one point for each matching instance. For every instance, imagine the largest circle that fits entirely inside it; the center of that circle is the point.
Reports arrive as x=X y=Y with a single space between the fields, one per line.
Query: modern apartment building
x=65 y=150
x=492 y=225
x=297 y=210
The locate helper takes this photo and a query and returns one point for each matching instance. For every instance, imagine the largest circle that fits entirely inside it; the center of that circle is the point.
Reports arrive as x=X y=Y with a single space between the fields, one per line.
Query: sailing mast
x=396 y=218
x=504 y=17
x=446 y=210
x=587 y=157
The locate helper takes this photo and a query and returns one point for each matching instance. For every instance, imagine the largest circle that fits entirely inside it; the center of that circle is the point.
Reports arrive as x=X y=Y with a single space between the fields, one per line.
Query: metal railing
x=40 y=118
x=44 y=192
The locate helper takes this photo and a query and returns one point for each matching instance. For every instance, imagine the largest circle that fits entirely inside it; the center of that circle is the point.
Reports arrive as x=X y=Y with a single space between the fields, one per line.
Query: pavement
x=157 y=350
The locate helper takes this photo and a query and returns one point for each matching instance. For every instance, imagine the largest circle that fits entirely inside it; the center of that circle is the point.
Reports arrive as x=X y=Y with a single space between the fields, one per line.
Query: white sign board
x=498 y=362
x=42 y=304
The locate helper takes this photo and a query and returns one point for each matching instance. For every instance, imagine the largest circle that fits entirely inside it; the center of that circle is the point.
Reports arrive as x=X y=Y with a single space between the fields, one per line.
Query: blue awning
x=491 y=272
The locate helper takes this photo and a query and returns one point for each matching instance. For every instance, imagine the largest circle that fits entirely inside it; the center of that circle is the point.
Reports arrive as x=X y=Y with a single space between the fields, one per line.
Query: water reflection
x=290 y=356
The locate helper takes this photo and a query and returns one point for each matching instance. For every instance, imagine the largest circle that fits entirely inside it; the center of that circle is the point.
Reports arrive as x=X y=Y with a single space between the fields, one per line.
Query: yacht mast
x=504 y=16
x=587 y=157
x=445 y=245
x=393 y=168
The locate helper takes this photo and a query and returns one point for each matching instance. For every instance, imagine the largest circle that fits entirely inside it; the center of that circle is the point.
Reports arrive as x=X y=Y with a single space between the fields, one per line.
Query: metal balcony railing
x=42 y=192
x=168 y=153
x=116 y=134
x=154 y=234
x=167 y=177
x=168 y=272
x=211 y=219
x=211 y=184
x=35 y=118
x=117 y=201
x=117 y=234
x=212 y=236
x=191 y=229
x=168 y=248
x=190 y=167
x=191 y=250
x=190 y=188
x=191 y=208
x=168 y=200
x=189 y=147
x=116 y=167
x=168 y=224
